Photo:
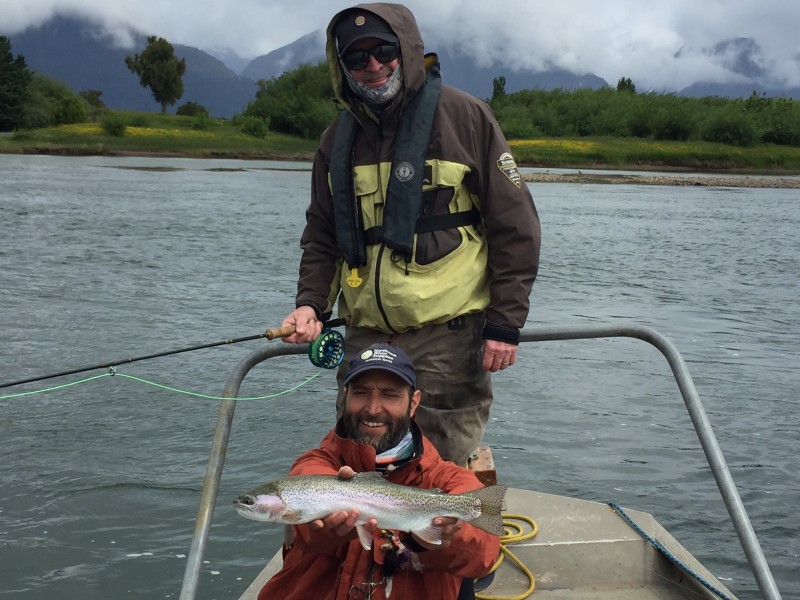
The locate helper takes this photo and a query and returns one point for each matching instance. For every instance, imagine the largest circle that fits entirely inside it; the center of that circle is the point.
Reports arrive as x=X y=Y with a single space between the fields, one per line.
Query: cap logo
x=360 y=20
x=366 y=354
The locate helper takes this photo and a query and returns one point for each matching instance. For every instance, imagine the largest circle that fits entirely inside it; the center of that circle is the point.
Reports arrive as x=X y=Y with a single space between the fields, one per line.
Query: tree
x=96 y=105
x=52 y=103
x=299 y=102
x=159 y=70
x=625 y=84
x=498 y=88
x=15 y=79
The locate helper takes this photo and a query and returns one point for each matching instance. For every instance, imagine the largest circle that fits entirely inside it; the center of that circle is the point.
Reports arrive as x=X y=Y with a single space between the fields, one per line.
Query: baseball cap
x=358 y=24
x=384 y=357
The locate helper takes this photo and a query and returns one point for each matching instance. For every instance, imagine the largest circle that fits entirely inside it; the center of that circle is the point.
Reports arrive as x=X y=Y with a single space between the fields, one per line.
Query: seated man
x=377 y=433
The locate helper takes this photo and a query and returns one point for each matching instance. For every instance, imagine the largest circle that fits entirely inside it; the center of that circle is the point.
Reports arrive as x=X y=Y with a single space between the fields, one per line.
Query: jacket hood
x=402 y=22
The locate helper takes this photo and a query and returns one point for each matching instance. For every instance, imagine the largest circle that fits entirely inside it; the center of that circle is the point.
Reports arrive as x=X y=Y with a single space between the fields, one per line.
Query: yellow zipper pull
x=353 y=280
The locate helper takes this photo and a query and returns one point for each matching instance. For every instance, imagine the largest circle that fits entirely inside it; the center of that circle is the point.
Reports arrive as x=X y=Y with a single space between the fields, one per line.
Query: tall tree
x=498 y=88
x=160 y=70
x=625 y=84
x=15 y=79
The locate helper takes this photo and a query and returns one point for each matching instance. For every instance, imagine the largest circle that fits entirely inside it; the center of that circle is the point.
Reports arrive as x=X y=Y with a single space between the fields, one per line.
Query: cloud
x=660 y=45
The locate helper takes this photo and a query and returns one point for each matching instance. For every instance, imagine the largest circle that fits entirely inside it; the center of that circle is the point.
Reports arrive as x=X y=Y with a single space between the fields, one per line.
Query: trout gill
x=304 y=498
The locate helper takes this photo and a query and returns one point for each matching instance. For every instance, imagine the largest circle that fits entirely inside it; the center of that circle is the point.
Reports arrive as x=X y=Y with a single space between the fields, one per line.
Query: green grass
x=636 y=153
x=158 y=134
x=154 y=133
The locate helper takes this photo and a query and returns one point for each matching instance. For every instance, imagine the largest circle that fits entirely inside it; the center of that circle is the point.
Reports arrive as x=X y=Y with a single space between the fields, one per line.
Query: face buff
x=380 y=96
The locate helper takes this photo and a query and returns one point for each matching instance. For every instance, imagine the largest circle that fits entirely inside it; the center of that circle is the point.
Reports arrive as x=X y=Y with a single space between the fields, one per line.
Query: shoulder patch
x=507 y=165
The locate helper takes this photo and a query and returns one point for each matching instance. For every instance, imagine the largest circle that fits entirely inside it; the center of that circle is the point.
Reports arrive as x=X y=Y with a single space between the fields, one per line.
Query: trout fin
x=293 y=516
x=288 y=536
x=491 y=501
x=430 y=534
x=365 y=537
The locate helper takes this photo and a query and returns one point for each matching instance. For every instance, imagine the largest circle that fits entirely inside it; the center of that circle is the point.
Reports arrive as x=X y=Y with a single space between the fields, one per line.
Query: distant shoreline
x=749 y=181
x=760 y=179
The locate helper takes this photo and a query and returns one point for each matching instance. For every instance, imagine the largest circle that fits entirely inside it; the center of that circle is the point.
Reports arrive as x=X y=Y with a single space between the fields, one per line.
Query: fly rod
x=326 y=349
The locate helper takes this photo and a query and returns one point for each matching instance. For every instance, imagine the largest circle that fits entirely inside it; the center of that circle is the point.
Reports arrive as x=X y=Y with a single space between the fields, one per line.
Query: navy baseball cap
x=356 y=25
x=386 y=358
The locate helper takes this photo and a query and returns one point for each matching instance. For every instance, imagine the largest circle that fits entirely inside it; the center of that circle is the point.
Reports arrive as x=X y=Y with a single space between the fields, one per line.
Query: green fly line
x=114 y=373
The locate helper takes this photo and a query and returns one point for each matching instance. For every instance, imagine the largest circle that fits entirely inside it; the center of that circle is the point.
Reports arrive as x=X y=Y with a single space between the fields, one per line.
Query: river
x=107 y=258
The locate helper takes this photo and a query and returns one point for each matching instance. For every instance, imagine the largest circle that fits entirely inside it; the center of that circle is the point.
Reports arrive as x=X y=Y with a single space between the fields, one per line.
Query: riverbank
x=693 y=163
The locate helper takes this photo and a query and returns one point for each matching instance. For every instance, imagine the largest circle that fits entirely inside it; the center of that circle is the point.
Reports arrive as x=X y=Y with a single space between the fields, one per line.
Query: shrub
x=191 y=109
x=113 y=124
x=201 y=121
x=70 y=109
x=296 y=103
x=783 y=124
x=52 y=103
x=671 y=123
x=139 y=120
x=516 y=123
x=96 y=106
x=730 y=126
x=255 y=126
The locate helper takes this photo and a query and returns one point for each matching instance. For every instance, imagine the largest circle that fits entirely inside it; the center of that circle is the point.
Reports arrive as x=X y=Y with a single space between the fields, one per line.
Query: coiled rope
x=514 y=532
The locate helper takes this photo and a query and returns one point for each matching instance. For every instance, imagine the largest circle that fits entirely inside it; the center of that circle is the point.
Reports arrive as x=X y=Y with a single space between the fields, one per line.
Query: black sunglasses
x=359 y=59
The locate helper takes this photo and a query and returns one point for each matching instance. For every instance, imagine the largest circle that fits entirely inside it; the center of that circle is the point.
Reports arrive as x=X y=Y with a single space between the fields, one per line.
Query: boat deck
x=583 y=550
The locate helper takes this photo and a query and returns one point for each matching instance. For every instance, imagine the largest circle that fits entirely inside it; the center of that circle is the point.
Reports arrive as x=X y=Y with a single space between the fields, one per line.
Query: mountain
x=458 y=70
x=461 y=71
x=308 y=49
x=77 y=52
x=743 y=59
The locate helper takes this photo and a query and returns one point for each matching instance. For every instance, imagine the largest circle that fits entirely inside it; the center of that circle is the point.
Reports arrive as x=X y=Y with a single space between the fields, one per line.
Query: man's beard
x=396 y=431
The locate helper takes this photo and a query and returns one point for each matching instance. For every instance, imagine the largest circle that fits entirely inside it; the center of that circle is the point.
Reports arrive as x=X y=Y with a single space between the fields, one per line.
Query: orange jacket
x=322 y=565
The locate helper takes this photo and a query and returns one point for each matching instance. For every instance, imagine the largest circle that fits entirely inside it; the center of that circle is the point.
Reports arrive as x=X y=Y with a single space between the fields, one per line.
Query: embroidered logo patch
x=405 y=172
x=507 y=165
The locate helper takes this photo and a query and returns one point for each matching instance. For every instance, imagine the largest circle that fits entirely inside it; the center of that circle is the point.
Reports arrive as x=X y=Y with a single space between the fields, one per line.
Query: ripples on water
x=98 y=261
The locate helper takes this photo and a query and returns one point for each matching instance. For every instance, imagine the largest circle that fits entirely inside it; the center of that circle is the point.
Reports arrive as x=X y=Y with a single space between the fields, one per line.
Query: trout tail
x=491 y=499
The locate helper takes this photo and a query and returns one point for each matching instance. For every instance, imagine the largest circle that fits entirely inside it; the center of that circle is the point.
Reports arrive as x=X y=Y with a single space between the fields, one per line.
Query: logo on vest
x=404 y=172
x=507 y=165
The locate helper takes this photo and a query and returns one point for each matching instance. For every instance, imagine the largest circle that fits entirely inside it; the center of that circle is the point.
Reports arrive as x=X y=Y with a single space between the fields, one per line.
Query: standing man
x=419 y=223
x=377 y=433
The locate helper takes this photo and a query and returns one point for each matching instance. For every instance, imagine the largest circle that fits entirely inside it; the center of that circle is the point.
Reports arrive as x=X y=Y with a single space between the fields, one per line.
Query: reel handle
x=271 y=334
x=280 y=332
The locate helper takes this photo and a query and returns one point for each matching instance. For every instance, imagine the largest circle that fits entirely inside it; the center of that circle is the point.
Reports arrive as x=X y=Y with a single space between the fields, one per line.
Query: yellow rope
x=515 y=532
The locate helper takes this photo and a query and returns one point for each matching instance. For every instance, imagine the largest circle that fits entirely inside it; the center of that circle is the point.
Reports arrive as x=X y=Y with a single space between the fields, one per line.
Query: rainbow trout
x=304 y=498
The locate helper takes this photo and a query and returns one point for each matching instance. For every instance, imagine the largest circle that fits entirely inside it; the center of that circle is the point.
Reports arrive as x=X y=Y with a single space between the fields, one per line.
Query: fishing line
x=114 y=373
x=327 y=351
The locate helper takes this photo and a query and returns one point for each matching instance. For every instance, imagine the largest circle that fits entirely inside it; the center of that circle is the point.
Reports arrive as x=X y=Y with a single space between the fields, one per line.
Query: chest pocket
x=370 y=202
x=435 y=245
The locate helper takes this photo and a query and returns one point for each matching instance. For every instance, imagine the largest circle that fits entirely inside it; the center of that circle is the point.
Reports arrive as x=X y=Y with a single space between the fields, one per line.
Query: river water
x=107 y=258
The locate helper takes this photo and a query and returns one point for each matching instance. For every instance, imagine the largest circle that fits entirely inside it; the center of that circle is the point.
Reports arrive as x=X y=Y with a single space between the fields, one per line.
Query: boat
x=555 y=546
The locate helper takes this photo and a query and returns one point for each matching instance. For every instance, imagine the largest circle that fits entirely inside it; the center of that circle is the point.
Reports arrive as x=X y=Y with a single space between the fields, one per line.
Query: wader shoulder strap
x=346 y=212
x=404 y=193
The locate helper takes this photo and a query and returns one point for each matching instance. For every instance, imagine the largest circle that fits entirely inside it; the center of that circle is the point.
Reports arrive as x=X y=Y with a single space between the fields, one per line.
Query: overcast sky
x=609 y=38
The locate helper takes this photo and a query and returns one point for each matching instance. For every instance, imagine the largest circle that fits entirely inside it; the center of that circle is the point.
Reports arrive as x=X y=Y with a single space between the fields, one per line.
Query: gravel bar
x=707 y=181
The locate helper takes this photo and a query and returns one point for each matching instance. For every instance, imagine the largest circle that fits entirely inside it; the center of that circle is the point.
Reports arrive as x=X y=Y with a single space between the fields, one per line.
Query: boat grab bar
x=727 y=487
